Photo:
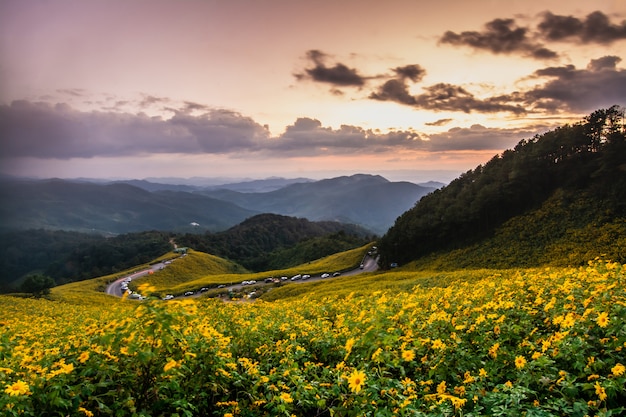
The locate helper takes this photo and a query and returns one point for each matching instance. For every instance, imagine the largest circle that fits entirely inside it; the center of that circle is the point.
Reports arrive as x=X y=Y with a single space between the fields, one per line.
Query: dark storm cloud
x=595 y=27
x=501 y=36
x=59 y=131
x=600 y=85
x=338 y=75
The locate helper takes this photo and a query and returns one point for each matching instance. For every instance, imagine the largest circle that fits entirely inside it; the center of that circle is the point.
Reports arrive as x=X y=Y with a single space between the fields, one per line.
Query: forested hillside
x=72 y=256
x=251 y=242
x=566 y=182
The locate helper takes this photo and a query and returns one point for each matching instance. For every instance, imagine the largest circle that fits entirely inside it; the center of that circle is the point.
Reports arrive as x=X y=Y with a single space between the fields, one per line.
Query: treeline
x=587 y=158
x=72 y=256
x=272 y=241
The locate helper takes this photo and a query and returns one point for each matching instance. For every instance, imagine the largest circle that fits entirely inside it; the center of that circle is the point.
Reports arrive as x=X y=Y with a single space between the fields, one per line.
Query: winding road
x=369 y=264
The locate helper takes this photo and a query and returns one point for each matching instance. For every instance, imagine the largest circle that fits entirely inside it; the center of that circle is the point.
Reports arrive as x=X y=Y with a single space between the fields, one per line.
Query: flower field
x=534 y=342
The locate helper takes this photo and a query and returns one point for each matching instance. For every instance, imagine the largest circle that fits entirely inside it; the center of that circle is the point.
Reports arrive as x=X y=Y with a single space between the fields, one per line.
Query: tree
x=38 y=285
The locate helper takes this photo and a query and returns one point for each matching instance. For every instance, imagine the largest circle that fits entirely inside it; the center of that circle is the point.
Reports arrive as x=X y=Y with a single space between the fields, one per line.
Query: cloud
x=308 y=136
x=600 y=85
x=338 y=75
x=439 y=122
x=501 y=36
x=413 y=72
x=58 y=131
x=478 y=137
x=594 y=28
x=394 y=90
x=444 y=96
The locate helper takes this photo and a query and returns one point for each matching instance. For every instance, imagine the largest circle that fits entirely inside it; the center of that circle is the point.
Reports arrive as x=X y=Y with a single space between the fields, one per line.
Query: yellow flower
x=600 y=392
x=508 y=384
x=66 y=368
x=603 y=319
x=438 y=344
x=171 y=364
x=17 y=388
x=482 y=373
x=356 y=380
x=493 y=350
x=286 y=397
x=520 y=362
x=408 y=355
x=85 y=411
x=618 y=370
x=84 y=357
x=441 y=388
x=376 y=354
x=349 y=344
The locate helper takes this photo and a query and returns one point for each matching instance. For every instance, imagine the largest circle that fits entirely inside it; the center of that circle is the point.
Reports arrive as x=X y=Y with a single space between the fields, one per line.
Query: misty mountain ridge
x=369 y=201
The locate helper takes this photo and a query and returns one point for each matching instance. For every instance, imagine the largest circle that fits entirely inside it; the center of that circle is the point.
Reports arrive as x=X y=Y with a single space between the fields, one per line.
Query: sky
x=408 y=89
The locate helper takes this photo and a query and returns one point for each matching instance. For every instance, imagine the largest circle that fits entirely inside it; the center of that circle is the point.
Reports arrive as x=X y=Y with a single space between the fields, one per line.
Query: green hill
x=269 y=241
x=558 y=198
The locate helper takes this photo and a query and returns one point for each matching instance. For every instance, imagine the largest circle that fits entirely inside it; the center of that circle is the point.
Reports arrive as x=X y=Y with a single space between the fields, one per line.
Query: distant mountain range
x=137 y=205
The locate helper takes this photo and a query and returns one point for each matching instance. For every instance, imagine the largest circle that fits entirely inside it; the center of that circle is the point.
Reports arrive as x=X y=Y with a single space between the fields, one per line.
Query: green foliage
x=37 y=285
x=585 y=159
x=567 y=229
x=23 y=252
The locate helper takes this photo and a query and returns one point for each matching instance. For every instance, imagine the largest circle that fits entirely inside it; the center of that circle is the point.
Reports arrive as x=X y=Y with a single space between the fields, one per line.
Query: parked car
x=188 y=293
x=324 y=275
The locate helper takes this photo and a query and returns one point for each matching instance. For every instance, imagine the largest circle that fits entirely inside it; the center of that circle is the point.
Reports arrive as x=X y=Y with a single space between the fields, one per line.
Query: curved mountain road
x=368 y=264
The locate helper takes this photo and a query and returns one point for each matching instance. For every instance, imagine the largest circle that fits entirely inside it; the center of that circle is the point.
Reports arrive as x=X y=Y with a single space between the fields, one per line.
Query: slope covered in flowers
x=536 y=342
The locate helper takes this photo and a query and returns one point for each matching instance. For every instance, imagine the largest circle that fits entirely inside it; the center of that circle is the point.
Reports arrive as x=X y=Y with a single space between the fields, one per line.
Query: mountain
x=265 y=185
x=136 y=205
x=111 y=208
x=259 y=186
x=367 y=200
x=558 y=198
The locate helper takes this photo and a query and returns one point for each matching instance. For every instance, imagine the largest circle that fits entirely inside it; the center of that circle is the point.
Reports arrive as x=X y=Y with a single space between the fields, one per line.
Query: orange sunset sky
x=408 y=89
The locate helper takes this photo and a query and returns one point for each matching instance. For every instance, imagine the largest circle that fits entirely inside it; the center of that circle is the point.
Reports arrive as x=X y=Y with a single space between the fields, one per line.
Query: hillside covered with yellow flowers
x=546 y=341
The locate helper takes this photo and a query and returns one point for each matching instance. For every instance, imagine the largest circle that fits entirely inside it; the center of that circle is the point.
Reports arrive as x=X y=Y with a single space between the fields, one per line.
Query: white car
x=168 y=297
x=325 y=275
